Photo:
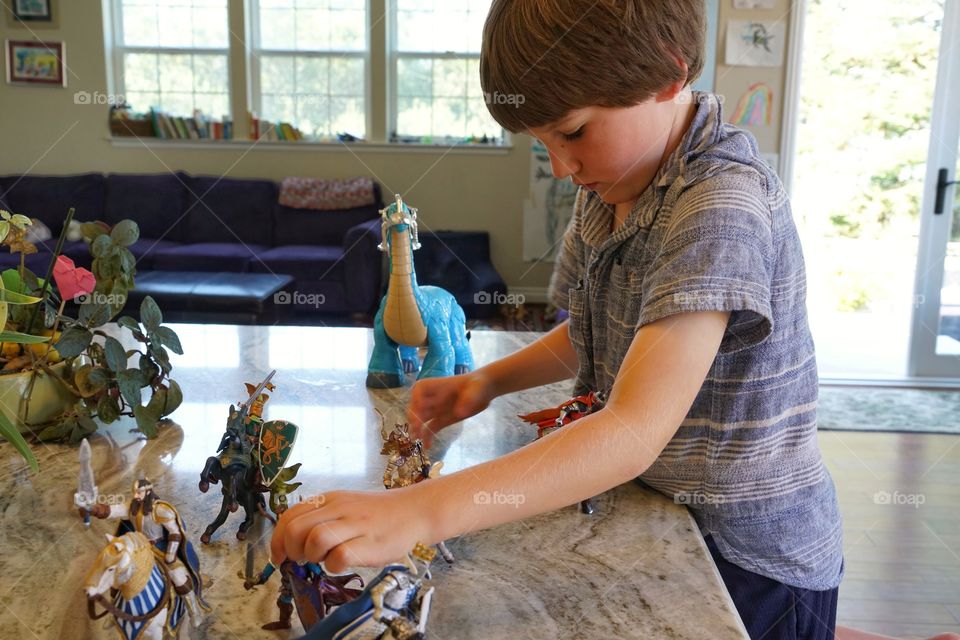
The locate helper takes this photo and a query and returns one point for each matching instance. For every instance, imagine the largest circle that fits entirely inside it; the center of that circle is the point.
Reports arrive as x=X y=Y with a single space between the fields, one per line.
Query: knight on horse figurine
x=160 y=523
x=250 y=461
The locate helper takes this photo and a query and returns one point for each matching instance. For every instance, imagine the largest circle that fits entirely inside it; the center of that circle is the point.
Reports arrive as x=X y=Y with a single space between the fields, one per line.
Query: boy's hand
x=436 y=403
x=346 y=529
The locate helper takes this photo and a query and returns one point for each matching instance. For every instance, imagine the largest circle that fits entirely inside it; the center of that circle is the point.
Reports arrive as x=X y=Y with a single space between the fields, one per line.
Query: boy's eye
x=574 y=135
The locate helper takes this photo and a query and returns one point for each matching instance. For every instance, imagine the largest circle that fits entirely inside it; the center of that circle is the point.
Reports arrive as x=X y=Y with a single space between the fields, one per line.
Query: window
x=309 y=65
x=173 y=55
x=436 y=71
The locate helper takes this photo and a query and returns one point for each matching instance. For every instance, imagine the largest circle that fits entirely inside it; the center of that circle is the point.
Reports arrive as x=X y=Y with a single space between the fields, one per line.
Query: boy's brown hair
x=543 y=58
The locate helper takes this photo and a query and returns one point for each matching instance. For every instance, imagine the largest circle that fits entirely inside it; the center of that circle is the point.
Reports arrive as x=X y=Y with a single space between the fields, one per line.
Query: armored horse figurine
x=411 y=316
x=250 y=461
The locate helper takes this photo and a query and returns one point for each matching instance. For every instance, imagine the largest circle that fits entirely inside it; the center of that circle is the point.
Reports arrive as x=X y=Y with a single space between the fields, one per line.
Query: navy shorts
x=771 y=610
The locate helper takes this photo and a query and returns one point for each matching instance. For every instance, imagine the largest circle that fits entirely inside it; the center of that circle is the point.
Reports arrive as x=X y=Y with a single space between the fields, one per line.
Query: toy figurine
x=314 y=592
x=408 y=464
x=250 y=461
x=162 y=528
x=412 y=316
x=549 y=420
x=147 y=604
x=394 y=606
x=307 y=585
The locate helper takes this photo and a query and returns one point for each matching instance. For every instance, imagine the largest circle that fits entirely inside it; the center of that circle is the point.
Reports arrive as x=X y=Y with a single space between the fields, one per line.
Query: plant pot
x=50 y=398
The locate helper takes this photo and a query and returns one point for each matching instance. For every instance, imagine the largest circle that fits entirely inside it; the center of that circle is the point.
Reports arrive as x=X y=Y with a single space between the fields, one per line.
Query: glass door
x=869 y=77
x=935 y=330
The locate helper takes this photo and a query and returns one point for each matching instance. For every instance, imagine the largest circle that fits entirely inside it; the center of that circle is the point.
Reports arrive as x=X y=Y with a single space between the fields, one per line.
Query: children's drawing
x=752 y=43
x=755 y=107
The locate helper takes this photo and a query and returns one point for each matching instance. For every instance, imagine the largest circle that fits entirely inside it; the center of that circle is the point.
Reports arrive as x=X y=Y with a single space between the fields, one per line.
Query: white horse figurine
x=145 y=605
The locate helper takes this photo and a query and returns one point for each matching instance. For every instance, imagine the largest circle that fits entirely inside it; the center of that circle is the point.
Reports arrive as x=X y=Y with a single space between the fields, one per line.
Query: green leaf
x=174 y=398
x=168 y=338
x=147 y=421
x=128 y=262
x=148 y=368
x=128 y=323
x=10 y=433
x=108 y=410
x=11 y=280
x=129 y=382
x=21 y=221
x=115 y=355
x=22 y=338
x=158 y=401
x=6 y=295
x=4 y=230
x=150 y=314
x=125 y=233
x=162 y=359
x=94 y=314
x=58 y=431
x=73 y=341
x=86 y=426
x=101 y=246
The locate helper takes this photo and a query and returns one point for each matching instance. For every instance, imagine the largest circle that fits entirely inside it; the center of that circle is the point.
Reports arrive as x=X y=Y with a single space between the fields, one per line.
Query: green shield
x=274 y=447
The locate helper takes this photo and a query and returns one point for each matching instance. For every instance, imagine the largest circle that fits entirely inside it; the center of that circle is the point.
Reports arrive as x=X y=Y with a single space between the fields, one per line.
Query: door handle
x=942 y=184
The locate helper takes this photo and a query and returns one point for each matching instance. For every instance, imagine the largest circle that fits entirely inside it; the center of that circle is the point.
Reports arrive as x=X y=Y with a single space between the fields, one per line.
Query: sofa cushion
x=206 y=256
x=155 y=202
x=299 y=226
x=230 y=210
x=146 y=249
x=49 y=197
x=303 y=262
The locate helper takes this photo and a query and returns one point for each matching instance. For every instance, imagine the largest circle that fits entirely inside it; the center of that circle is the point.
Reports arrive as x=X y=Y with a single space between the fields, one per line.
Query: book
x=157 y=127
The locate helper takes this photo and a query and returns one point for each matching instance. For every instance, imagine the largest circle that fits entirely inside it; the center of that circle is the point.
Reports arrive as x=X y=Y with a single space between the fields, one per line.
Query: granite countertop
x=636 y=568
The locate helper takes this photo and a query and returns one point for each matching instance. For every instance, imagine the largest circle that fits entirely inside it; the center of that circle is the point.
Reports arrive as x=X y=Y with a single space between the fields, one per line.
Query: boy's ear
x=672 y=90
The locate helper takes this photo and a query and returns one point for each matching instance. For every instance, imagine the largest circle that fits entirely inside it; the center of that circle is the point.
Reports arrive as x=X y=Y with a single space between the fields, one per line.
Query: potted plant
x=61 y=375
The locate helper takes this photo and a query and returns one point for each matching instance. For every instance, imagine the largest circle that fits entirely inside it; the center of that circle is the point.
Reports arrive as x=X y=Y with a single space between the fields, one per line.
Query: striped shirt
x=714 y=232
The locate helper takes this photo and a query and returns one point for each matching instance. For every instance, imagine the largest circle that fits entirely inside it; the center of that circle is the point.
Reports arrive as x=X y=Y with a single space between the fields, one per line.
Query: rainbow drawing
x=755 y=106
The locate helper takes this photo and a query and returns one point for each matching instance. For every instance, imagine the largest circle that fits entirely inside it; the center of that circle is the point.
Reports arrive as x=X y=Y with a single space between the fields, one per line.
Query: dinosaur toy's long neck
x=401 y=317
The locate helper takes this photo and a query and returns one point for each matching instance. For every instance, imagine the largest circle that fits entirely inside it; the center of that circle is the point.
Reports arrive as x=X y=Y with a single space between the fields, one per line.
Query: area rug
x=879 y=409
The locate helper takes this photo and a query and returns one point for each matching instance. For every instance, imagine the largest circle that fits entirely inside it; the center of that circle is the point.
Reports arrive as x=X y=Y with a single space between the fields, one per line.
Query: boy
x=684 y=279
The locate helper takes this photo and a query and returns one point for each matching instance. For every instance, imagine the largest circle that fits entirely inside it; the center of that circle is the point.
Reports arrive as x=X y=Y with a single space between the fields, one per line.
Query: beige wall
x=42 y=131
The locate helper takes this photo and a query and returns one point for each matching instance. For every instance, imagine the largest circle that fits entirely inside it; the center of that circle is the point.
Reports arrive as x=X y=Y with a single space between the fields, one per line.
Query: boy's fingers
x=325 y=537
x=296 y=530
x=276 y=541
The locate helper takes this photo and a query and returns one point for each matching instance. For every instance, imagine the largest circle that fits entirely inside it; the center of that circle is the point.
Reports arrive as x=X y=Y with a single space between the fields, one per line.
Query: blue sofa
x=202 y=224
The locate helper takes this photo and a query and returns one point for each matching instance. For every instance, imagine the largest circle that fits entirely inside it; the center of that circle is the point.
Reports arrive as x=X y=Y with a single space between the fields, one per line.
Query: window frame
x=118 y=48
x=393 y=58
x=254 y=97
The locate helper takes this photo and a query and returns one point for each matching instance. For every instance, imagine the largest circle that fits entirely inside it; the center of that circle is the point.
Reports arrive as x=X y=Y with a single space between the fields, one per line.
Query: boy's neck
x=683 y=116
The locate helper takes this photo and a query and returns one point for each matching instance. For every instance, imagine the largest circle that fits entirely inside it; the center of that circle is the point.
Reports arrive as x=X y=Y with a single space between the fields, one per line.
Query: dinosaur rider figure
x=160 y=522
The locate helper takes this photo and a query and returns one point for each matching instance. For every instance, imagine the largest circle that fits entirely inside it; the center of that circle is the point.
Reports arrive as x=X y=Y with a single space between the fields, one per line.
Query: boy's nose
x=563 y=166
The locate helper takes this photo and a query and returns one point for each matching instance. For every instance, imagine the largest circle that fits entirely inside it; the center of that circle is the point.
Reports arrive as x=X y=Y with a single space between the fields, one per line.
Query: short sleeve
x=716 y=256
x=569 y=265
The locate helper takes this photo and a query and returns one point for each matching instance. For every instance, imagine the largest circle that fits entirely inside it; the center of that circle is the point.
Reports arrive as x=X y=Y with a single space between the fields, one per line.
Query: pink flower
x=72 y=281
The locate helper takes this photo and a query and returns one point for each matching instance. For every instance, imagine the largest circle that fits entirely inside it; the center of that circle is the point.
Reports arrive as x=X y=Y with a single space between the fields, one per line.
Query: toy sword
x=86 y=495
x=256 y=392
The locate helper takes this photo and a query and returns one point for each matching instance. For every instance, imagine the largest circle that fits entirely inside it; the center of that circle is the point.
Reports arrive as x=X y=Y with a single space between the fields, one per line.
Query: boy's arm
x=551 y=358
x=657 y=383
x=654 y=389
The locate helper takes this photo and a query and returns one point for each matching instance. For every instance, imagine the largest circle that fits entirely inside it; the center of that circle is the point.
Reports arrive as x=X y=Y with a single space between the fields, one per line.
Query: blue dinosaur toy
x=411 y=316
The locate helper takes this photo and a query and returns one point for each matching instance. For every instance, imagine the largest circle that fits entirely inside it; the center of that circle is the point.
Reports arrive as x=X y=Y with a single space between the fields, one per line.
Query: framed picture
x=31 y=62
x=32 y=10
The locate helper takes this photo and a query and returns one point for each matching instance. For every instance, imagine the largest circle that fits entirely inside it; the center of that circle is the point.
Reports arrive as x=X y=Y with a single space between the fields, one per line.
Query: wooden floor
x=900 y=499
